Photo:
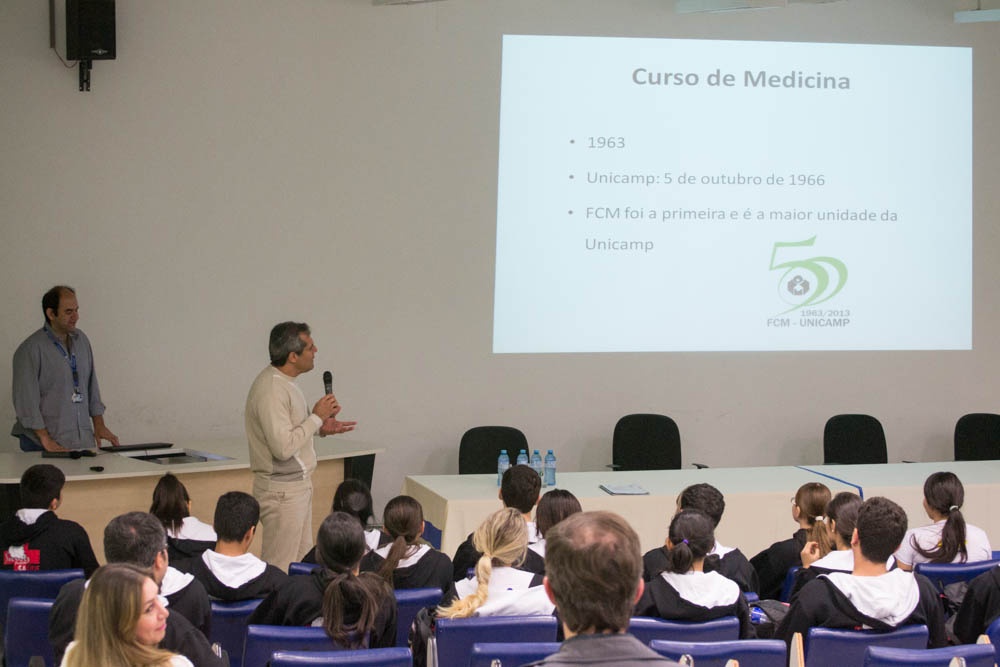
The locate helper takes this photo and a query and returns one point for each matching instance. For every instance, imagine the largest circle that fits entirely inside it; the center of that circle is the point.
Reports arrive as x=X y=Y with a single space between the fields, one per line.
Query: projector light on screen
x=691 y=195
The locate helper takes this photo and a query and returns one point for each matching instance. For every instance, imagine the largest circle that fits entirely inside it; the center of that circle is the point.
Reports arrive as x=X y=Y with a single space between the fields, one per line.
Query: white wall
x=245 y=162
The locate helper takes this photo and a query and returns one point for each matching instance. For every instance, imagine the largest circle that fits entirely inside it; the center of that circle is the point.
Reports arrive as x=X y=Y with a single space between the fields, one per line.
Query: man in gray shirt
x=56 y=397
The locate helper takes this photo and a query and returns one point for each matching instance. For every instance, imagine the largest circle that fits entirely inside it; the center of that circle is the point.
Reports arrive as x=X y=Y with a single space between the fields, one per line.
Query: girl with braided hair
x=498 y=589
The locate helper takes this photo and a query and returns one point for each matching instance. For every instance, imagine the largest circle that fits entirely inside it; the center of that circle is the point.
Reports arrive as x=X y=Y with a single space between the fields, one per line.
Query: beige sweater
x=280 y=428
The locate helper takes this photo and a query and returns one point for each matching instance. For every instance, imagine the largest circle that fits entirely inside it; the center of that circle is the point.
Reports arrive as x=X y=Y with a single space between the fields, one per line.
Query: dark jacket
x=662 y=600
x=270 y=580
x=980 y=607
x=300 y=602
x=821 y=603
x=772 y=564
x=734 y=565
x=433 y=570
x=50 y=543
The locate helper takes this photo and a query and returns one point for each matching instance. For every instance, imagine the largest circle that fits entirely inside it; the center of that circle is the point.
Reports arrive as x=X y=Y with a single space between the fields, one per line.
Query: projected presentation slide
x=690 y=195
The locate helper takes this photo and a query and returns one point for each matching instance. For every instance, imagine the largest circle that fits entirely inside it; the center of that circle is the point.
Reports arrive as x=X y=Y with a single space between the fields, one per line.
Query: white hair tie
x=953 y=508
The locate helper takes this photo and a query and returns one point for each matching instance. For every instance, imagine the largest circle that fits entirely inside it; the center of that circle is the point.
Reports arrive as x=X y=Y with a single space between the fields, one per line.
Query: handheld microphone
x=328 y=381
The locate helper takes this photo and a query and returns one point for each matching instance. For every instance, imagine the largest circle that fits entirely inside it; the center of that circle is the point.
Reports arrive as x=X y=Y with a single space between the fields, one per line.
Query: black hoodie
x=882 y=603
x=50 y=543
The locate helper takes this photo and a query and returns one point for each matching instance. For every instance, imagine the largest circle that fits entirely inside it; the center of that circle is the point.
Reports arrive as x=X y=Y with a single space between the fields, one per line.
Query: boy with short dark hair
x=727 y=561
x=870 y=597
x=229 y=571
x=36 y=539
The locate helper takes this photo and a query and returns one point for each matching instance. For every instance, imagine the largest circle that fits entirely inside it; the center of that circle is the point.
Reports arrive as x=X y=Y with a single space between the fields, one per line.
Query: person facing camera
x=121 y=623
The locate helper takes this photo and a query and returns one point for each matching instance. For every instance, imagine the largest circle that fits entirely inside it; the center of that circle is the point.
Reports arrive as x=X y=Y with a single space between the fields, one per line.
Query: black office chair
x=646 y=442
x=977 y=437
x=854 y=439
x=480 y=448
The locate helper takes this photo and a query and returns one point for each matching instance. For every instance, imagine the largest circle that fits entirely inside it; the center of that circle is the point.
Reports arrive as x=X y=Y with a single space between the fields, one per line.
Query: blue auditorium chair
x=372 y=657
x=646 y=629
x=229 y=627
x=27 y=633
x=456 y=636
x=748 y=652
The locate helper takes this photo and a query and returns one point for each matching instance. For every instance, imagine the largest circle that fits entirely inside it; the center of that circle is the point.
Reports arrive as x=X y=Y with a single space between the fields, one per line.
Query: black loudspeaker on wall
x=84 y=29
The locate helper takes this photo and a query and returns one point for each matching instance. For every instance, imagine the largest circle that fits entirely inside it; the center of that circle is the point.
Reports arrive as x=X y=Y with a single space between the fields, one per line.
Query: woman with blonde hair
x=772 y=564
x=120 y=622
x=499 y=589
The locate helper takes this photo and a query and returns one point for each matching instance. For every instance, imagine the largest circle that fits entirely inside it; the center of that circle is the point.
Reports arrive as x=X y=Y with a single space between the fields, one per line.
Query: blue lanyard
x=71 y=358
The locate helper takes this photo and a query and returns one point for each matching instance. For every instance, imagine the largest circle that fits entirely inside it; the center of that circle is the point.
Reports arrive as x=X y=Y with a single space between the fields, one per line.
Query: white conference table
x=122 y=484
x=904 y=483
x=758 y=501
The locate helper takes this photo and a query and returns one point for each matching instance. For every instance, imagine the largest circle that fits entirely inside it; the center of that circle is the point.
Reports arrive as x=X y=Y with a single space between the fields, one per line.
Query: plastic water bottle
x=502 y=464
x=522 y=458
x=536 y=464
x=550 y=469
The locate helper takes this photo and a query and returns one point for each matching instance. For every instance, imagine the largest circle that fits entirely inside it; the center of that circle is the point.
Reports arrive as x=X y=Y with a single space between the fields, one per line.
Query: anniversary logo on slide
x=807 y=280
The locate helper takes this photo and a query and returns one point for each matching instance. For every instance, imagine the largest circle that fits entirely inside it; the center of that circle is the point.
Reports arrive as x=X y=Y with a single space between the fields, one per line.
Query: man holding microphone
x=280 y=429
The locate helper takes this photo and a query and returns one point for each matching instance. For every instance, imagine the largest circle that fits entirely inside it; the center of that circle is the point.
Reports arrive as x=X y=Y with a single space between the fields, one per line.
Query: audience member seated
x=121 y=622
x=229 y=572
x=727 y=561
x=594 y=577
x=519 y=489
x=138 y=538
x=553 y=507
x=684 y=591
x=357 y=609
x=949 y=539
x=498 y=588
x=36 y=539
x=353 y=497
x=772 y=564
x=980 y=607
x=871 y=596
x=841 y=517
x=408 y=562
x=187 y=536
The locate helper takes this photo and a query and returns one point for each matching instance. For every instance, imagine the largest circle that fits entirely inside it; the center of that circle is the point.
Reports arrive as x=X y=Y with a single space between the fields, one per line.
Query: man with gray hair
x=280 y=429
x=139 y=539
x=593 y=574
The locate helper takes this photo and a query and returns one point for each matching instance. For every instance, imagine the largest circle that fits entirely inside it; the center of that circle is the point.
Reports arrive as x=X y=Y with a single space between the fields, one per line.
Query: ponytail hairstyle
x=403 y=519
x=842 y=512
x=170 y=503
x=812 y=499
x=340 y=545
x=353 y=497
x=503 y=541
x=944 y=493
x=692 y=536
